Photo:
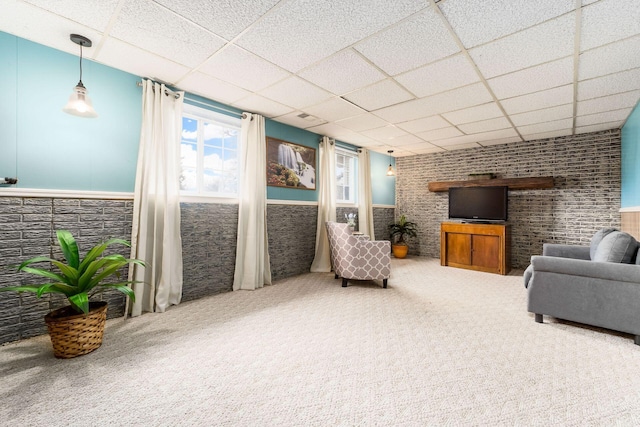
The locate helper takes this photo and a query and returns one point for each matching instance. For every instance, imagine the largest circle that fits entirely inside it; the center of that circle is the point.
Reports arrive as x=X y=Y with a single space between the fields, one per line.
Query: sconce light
x=79 y=102
x=390 y=171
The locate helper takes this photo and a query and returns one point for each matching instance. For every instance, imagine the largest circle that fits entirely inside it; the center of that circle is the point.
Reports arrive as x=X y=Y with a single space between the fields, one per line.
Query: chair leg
x=384 y=283
x=344 y=282
x=336 y=276
x=539 y=318
x=636 y=339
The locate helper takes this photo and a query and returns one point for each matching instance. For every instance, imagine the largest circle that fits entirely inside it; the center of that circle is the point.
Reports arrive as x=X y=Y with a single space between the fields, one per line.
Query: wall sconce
x=390 y=171
x=79 y=102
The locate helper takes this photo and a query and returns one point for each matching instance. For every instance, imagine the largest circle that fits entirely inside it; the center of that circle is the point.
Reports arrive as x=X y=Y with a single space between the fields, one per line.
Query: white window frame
x=353 y=181
x=204 y=115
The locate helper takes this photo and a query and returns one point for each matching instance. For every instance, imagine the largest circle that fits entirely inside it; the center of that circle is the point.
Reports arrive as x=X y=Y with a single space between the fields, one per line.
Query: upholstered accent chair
x=356 y=257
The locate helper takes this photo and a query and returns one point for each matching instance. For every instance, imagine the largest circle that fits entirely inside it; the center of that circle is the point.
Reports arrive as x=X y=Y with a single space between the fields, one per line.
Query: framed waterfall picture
x=290 y=165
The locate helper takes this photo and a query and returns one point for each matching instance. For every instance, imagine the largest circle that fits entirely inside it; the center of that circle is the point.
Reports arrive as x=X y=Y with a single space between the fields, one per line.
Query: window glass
x=209 y=153
x=346 y=176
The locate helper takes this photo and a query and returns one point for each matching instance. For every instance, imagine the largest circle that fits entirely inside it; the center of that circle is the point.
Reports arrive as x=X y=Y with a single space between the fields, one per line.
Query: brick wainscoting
x=209 y=234
x=586 y=196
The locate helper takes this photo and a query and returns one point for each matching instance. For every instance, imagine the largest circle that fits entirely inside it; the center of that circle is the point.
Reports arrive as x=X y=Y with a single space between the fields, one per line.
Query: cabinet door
x=459 y=248
x=485 y=251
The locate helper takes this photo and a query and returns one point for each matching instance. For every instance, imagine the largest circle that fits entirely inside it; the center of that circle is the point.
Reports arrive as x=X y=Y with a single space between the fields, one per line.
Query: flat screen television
x=478 y=204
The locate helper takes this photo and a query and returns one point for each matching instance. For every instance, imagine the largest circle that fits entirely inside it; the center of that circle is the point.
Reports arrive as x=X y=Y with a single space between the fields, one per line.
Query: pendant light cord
x=80 y=63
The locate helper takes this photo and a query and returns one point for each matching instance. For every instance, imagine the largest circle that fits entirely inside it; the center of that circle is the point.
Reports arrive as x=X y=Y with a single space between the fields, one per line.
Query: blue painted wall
x=631 y=160
x=48 y=149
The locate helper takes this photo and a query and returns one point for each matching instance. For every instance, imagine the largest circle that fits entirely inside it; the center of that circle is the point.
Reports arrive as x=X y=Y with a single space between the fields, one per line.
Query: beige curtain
x=155 y=234
x=365 y=196
x=253 y=269
x=326 y=204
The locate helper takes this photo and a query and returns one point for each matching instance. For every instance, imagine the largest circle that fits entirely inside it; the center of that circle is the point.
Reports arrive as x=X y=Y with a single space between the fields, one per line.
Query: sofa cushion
x=597 y=238
x=616 y=247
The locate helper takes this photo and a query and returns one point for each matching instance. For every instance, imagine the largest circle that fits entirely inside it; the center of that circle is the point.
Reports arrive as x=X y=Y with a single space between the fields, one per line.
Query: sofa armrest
x=566 y=251
x=587 y=269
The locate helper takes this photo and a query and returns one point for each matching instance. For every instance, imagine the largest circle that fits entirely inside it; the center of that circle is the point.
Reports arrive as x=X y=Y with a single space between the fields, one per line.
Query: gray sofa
x=596 y=285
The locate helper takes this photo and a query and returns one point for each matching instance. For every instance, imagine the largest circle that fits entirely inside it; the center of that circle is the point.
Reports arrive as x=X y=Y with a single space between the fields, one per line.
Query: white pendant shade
x=79 y=103
x=390 y=171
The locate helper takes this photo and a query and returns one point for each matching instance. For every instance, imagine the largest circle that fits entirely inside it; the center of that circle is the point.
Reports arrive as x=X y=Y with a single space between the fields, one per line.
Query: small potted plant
x=77 y=329
x=399 y=231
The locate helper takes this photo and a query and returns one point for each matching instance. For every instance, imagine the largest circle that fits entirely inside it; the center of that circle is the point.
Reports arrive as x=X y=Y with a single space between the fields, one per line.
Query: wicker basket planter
x=75 y=334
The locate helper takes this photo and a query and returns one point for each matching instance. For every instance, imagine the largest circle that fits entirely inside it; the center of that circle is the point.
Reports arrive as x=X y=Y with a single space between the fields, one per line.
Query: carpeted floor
x=440 y=346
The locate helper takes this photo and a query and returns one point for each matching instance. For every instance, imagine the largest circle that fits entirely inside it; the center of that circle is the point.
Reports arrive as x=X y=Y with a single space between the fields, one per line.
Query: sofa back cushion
x=597 y=238
x=616 y=247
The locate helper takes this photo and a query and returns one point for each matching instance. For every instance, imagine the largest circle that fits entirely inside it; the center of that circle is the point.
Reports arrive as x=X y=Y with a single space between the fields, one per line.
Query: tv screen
x=478 y=203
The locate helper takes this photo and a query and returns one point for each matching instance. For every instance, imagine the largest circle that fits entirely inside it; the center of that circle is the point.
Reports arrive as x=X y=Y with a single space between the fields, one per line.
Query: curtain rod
x=166 y=91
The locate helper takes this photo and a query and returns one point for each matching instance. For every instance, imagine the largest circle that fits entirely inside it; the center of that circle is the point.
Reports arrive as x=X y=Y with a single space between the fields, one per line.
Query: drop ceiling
x=413 y=76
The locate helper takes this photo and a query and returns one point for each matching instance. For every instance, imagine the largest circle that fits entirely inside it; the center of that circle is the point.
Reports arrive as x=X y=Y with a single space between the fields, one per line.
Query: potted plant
x=77 y=329
x=399 y=231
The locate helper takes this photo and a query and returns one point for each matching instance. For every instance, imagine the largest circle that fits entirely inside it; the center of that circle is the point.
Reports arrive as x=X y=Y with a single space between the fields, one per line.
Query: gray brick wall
x=209 y=234
x=27 y=229
x=586 y=196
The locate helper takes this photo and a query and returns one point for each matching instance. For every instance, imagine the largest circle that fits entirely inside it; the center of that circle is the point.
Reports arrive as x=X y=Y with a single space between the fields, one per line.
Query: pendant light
x=79 y=102
x=390 y=171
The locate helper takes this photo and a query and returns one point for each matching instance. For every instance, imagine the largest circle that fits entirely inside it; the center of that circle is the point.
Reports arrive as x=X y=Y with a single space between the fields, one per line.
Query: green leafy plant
x=78 y=279
x=402 y=229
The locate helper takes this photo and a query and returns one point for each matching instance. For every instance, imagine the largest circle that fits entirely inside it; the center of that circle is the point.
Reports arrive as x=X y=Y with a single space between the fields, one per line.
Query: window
x=209 y=153
x=346 y=173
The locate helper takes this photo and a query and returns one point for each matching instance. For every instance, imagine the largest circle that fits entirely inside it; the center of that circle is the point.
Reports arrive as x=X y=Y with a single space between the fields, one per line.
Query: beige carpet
x=440 y=346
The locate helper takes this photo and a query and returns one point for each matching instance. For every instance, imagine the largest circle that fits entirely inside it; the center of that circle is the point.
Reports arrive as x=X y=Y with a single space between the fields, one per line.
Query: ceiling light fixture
x=390 y=171
x=79 y=102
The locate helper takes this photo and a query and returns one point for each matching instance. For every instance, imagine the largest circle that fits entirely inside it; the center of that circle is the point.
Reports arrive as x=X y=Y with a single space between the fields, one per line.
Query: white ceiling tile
x=624 y=81
x=97 y=16
x=358 y=139
x=362 y=122
x=540 y=77
x=599 y=127
x=607 y=21
x=293 y=120
x=301 y=32
x=477 y=22
x=447 y=74
x=501 y=141
x=332 y=130
x=474 y=114
x=587 y=2
x=224 y=18
x=609 y=116
x=334 y=109
x=212 y=88
x=608 y=103
x=404 y=140
x=140 y=62
x=546 y=127
x=485 y=125
x=536 y=45
x=379 y=95
x=545 y=135
x=40 y=26
x=153 y=28
x=417 y=41
x=609 y=59
x=538 y=100
x=242 y=68
x=296 y=93
x=343 y=72
x=258 y=104
x=407 y=153
x=384 y=133
x=414 y=147
x=424 y=124
x=462 y=146
x=425 y=148
x=480 y=137
x=456 y=99
x=544 y=115
x=444 y=133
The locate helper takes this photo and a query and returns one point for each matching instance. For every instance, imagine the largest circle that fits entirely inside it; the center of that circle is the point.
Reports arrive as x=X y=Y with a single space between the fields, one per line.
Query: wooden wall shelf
x=530 y=183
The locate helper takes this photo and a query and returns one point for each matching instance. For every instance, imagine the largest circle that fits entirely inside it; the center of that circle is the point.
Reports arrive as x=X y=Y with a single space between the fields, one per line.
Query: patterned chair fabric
x=357 y=257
